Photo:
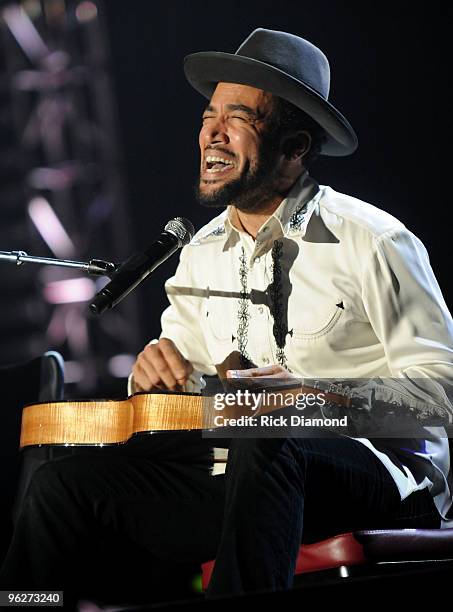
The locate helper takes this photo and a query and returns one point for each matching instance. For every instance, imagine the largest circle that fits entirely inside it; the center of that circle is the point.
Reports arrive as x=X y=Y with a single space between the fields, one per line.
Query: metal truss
x=66 y=196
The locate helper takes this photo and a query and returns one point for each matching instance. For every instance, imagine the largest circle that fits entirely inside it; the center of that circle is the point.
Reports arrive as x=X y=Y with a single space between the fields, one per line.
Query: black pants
x=158 y=494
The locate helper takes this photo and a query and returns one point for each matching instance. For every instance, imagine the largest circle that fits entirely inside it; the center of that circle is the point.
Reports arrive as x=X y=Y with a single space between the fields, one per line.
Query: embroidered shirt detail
x=218 y=231
x=296 y=220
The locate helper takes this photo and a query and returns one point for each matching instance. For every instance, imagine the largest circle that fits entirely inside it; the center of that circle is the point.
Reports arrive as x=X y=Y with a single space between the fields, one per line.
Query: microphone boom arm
x=124 y=277
x=94 y=267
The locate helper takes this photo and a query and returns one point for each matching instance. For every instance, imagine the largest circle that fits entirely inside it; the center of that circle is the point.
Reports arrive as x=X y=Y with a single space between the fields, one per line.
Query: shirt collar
x=291 y=216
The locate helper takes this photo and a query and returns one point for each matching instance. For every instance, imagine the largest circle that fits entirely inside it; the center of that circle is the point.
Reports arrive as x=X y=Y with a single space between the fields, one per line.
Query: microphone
x=177 y=233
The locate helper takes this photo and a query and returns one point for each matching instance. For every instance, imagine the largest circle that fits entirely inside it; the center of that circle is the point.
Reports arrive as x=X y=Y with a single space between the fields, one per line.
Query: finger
x=255 y=372
x=144 y=378
x=157 y=367
x=283 y=374
x=136 y=381
x=180 y=367
x=149 y=361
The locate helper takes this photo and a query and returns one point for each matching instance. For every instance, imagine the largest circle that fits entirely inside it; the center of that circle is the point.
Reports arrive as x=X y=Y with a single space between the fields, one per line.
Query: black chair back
x=38 y=380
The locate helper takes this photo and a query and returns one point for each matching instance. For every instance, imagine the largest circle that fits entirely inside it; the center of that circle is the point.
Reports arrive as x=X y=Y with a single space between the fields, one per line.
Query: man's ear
x=296 y=145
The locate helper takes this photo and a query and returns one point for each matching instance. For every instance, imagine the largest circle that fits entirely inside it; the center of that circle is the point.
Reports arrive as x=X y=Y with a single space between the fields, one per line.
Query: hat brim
x=205 y=69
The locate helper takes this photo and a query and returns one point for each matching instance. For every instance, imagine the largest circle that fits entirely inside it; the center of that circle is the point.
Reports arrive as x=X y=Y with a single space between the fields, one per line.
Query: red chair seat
x=368 y=546
x=340 y=550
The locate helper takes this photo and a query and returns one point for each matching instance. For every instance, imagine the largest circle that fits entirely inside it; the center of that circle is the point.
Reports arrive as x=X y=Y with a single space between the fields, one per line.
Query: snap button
x=265 y=360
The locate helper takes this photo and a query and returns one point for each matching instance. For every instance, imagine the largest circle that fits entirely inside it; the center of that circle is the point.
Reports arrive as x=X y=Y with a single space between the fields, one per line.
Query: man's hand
x=161 y=366
x=272 y=371
x=268 y=377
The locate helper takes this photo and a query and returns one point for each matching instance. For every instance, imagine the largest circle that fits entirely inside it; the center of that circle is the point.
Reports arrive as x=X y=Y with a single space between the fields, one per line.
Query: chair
x=38 y=380
x=369 y=554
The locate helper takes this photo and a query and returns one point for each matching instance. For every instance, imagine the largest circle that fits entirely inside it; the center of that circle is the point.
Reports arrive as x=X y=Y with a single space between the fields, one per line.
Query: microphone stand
x=94 y=267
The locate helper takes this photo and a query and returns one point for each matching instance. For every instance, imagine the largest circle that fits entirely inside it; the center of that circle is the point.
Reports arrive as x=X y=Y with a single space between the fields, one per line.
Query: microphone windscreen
x=182 y=229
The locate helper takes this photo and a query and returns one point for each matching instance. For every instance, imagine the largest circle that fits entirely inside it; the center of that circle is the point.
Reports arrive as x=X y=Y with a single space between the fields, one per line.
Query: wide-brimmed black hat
x=285 y=65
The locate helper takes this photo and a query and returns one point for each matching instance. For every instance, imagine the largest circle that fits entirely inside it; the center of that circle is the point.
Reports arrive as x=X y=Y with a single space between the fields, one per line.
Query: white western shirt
x=363 y=303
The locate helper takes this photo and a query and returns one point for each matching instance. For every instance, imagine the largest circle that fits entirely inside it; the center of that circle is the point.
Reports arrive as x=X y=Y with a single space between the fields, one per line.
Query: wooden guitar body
x=113 y=422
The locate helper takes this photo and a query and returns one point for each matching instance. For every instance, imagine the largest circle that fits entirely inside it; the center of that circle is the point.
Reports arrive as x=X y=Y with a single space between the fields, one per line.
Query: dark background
x=390 y=71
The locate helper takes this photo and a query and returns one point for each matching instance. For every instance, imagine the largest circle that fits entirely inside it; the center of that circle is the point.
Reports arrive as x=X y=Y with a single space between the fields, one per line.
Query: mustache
x=220 y=150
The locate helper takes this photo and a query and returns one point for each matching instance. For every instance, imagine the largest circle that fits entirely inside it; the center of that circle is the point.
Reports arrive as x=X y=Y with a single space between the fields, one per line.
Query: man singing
x=292 y=279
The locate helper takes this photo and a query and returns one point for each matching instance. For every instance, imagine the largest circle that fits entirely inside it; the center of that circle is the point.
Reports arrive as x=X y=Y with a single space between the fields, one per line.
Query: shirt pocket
x=220 y=331
x=318 y=322
x=218 y=324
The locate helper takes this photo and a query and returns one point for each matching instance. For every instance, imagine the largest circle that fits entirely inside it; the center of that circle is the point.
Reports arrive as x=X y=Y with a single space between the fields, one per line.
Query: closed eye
x=241 y=117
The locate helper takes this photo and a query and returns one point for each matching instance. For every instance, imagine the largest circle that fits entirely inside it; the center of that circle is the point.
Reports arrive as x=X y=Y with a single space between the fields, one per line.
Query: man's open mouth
x=215 y=163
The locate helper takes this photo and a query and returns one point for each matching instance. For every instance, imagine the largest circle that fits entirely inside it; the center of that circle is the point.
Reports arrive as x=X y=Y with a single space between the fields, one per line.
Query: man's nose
x=217 y=132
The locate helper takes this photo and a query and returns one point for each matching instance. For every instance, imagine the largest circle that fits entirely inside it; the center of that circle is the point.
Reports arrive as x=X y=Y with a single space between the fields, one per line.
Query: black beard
x=250 y=190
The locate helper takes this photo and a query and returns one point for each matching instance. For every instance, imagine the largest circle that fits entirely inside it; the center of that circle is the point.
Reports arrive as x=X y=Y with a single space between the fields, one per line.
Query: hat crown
x=291 y=54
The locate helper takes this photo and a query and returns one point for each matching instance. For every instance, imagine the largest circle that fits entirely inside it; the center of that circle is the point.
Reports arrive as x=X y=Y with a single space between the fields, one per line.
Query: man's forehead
x=236 y=93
